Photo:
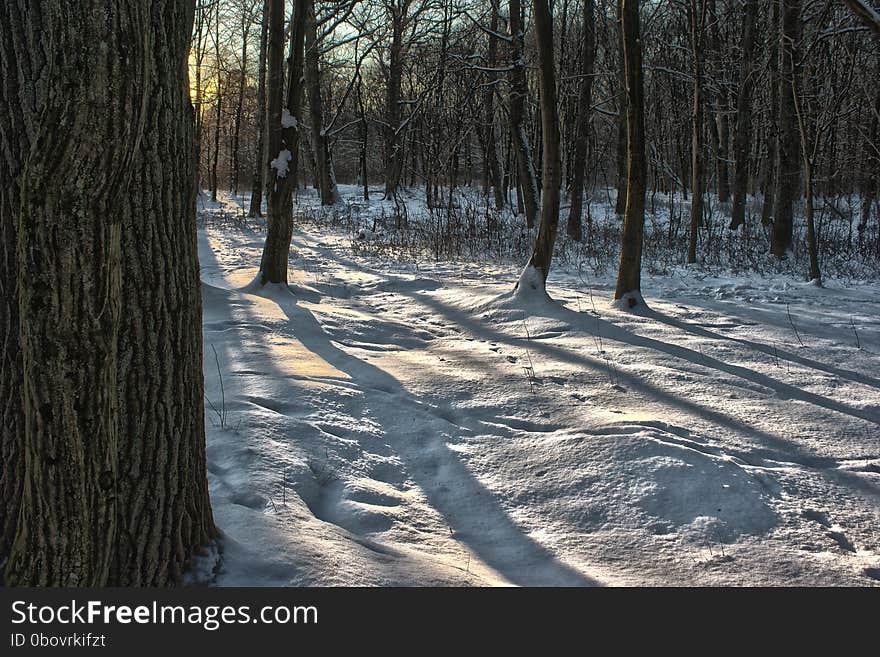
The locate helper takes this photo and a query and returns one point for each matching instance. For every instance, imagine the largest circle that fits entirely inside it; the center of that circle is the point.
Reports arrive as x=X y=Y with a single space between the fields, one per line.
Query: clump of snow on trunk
x=281 y=163
x=287 y=119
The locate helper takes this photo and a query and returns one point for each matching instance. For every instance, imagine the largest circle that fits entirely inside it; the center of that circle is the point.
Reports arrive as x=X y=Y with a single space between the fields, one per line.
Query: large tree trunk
x=629 y=271
x=114 y=488
x=283 y=138
x=77 y=135
x=585 y=100
x=697 y=15
x=164 y=514
x=320 y=141
x=519 y=91
x=552 y=178
x=788 y=144
x=256 y=209
x=741 y=138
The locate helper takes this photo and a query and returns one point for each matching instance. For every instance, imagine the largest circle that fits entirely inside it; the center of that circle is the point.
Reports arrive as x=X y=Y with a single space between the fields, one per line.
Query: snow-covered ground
x=402 y=424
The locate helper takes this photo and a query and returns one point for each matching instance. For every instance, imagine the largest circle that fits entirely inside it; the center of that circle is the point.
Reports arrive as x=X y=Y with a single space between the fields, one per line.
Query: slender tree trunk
x=236 y=130
x=552 y=178
x=256 y=207
x=629 y=271
x=365 y=133
x=622 y=130
x=742 y=136
x=585 y=100
x=492 y=165
x=697 y=13
x=768 y=177
x=393 y=138
x=788 y=144
x=283 y=138
x=815 y=274
x=528 y=184
x=219 y=117
x=320 y=141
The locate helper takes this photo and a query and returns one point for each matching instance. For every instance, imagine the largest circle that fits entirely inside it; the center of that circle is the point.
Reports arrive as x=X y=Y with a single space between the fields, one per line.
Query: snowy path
x=391 y=426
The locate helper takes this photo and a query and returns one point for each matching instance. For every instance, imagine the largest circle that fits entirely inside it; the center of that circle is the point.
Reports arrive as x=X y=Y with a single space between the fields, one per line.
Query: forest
x=440 y=292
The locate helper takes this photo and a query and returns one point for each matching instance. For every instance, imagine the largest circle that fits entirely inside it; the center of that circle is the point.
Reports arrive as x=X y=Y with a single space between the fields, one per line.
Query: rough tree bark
x=519 y=91
x=788 y=143
x=742 y=135
x=164 y=513
x=582 y=137
x=81 y=117
x=629 y=270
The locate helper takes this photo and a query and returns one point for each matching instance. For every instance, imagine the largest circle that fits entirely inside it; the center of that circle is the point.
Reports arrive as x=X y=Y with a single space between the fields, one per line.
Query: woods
x=689 y=139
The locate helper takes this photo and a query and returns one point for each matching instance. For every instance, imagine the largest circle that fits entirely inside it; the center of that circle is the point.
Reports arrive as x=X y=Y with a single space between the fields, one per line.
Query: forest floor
x=392 y=423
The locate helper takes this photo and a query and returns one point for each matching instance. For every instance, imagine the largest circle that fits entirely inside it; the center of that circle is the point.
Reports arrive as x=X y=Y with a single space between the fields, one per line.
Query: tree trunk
x=741 y=139
x=519 y=91
x=78 y=157
x=492 y=165
x=768 y=176
x=122 y=499
x=552 y=178
x=788 y=144
x=164 y=513
x=585 y=100
x=393 y=138
x=283 y=138
x=629 y=271
x=622 y=129
x=320 y=141
x=236 y=130
x=697 y=14
x=219 y=117
x=256 y=207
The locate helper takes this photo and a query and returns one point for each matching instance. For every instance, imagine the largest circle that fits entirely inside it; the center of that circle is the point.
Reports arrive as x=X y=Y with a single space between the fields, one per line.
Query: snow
x=281 y=163
x=287 y=119
x=422 y=423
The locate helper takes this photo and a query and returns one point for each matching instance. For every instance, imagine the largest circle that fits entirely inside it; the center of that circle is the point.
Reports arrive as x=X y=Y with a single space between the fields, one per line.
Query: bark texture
x=80 y=113
x=742 y=135
x=164 y=513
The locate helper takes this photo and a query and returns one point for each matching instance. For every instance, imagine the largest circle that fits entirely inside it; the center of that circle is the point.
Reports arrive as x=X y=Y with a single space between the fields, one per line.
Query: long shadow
x=775 y=448
x=849 y=375
x=485 y=528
